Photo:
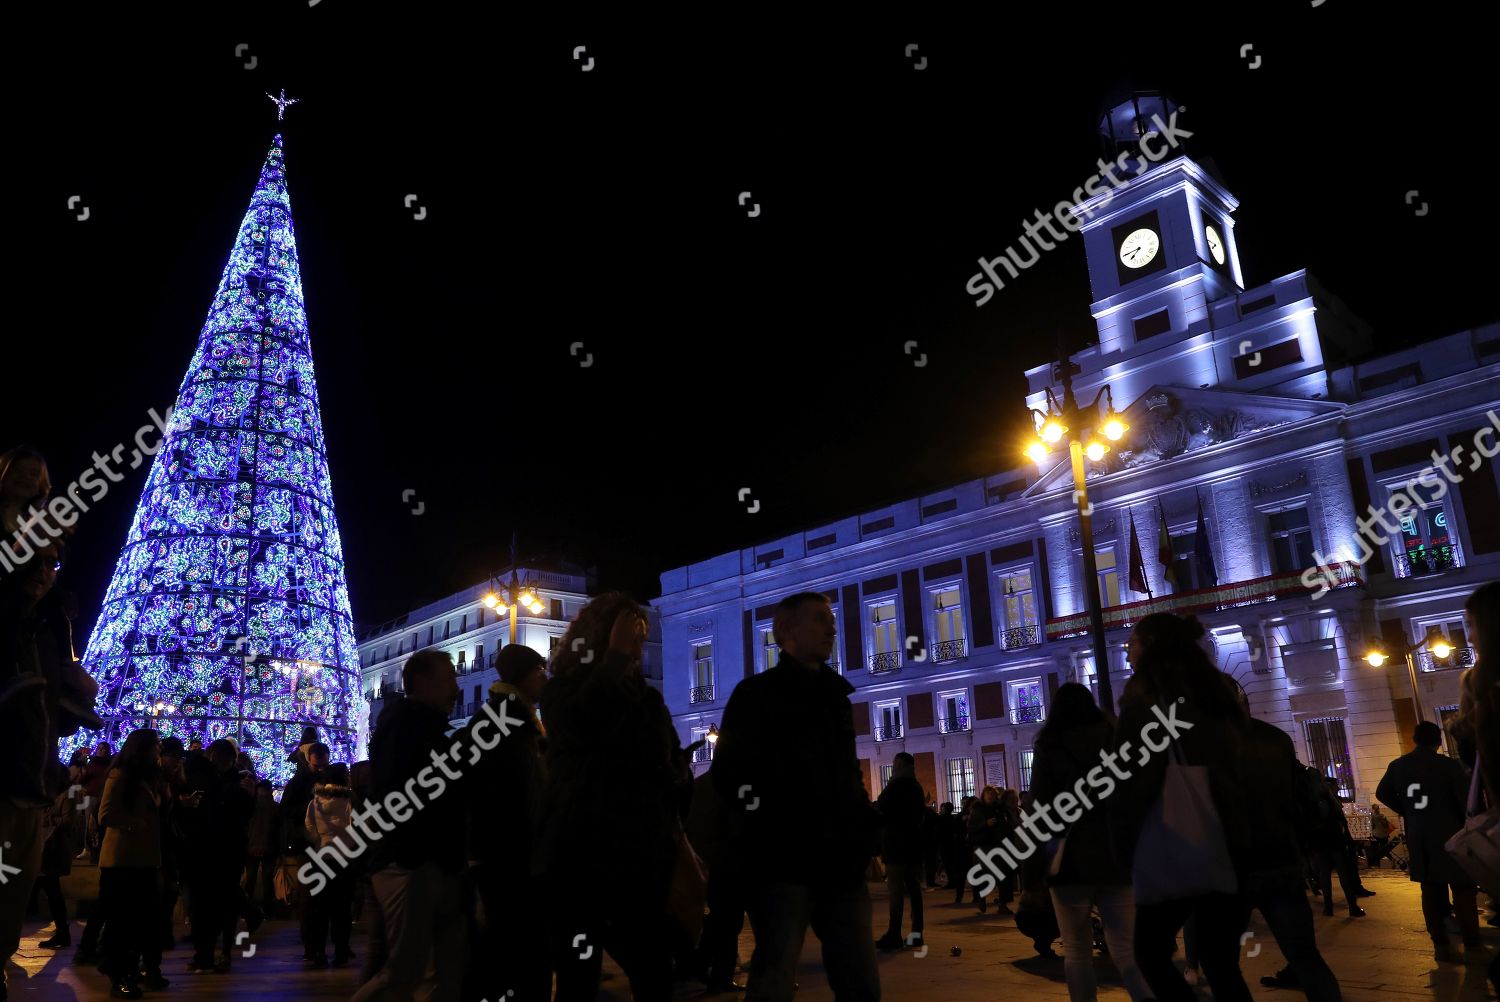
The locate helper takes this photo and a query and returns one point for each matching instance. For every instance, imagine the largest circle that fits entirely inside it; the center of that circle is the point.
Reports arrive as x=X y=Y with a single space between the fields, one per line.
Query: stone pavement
x=1385 y=957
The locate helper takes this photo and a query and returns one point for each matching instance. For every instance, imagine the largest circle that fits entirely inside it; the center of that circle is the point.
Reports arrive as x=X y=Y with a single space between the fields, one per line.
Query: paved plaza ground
x=1385 y=956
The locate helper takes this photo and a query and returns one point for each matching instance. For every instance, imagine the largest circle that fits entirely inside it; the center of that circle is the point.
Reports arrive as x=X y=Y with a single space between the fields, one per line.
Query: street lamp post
x=1376 y=656
x=1080 y=425
x=515 y=594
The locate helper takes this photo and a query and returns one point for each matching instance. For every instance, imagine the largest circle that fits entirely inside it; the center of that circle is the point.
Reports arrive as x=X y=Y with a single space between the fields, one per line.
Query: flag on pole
x=1165 y=555
x=1207 y=576
x=1138 y=582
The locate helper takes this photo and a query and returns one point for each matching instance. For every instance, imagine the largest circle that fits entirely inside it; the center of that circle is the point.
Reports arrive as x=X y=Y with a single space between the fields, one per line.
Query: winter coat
x=708 y=826
x=903 y=806
x=786 y=764
x=293 y=808
x=407 y=735
x=217 y=830
x=982 y=834
x=1439 y=785
x=329 y=816
x=1063 y=765
x=609 y=813
x=132 y=832
x=1273 y=780
x=263 y=824
x=36 y=670
x=1203 y=740
x=63 y=824
x=507 y=779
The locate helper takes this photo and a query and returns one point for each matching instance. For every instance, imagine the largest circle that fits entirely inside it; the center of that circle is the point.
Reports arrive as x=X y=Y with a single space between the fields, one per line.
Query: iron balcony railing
x=704 y=754
x=888 y=732
x=1026 y=715
x=1462 y=657
x=1020 y=636
x=701 y=694
x=1419 y=561
x=952 y=725
x=1343 y=574
x=881 y=664
x=948 y=650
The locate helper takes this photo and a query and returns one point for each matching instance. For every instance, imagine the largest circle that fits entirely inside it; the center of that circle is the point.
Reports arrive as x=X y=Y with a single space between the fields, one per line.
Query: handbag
x=1182 y=852
x=687 y=897
x=1476 y=846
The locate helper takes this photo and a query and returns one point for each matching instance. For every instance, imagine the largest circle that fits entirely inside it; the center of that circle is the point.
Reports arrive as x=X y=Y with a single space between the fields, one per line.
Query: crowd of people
x=524 y=847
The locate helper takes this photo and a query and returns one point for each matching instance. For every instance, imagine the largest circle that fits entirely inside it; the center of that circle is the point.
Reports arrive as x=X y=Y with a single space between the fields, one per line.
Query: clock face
x=1215 y=245
x=1139 y=248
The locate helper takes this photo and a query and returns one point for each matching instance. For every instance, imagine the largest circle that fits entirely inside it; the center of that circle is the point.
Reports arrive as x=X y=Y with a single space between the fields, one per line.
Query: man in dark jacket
x=291 y=818
x=503 y=810
x=786 y=765
x=416 y=865
x=1282 y=807
x=1430 y=792
x=217 y=829
x=904 y=813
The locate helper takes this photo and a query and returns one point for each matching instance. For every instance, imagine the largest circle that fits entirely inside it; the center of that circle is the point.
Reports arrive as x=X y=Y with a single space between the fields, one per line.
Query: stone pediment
x=1169 y=421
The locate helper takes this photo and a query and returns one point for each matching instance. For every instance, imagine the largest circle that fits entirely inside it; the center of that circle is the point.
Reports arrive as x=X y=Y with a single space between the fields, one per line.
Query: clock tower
x=1159 y=232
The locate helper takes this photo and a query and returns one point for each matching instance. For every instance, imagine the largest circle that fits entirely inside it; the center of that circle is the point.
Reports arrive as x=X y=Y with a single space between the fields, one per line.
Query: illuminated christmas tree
x=228 y=613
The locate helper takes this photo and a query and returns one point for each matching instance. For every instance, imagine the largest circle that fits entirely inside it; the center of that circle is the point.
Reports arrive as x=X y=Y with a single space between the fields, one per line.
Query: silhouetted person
x=1430 y=792
x=786 y=765
x=903 y=810
x=504 y=807
x=613 y=771
x=130 y=865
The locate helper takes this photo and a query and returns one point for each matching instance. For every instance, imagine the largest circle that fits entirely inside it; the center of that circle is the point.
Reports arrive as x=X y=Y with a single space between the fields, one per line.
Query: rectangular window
x=1026 y=702
x=481 y=616
x=1109 y=576
x=429 y=636
x=1445 y=717
x=705 y=752
x=1019 y=626
x=953 y=709
x=463 y=623
x=479 y=656
x=769 y=649
x=703 y=665
x=1451 y=628
x=1291 y=539
x=883 y=625
x=834 y=658
x=1328 y=752
x=553 y=643
x=1184 y=559
x=461 y=655
x=888 y=721
x=1023 y=768
x=1426 y=544
x=885 y=776
x=949 y=615
x=447 y=628
x=960 y=775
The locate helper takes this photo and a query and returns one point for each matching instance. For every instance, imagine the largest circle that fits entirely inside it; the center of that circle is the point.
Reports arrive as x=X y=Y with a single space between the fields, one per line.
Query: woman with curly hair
x=609 y=824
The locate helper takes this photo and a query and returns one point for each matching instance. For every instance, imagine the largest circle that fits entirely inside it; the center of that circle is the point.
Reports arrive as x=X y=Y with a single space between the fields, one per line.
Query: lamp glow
x=1115 y=427
x=1440 y=648
x=1053 y=430
x=490 y=601
x=1375 y=658
x=1037 y=452
x=1095 y=451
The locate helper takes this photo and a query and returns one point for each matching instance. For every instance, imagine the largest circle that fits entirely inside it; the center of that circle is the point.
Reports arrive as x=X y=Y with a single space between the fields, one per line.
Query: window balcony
x=953 y=725
x=1462 y=657
x=1421 y=561
x=884 y=664
x=1026 y=715
x=1344 y=574
x=1021 y=636
x=948 y=650
x=888 y=732
x=704 y=754
x=701 y=694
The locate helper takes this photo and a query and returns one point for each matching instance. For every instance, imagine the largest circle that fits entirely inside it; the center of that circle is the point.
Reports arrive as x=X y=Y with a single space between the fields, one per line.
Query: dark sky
x=601 y=207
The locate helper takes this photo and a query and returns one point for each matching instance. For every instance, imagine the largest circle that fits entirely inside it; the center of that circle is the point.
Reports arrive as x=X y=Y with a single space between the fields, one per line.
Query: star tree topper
x=283 y=103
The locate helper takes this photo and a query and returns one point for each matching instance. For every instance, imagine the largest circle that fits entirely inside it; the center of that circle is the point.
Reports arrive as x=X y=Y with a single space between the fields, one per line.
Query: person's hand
x=990 y=822
x=192 y=799
x=628 y=635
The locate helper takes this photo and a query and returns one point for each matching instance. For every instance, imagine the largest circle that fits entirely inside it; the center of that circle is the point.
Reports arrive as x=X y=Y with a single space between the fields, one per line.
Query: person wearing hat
x=504 y=784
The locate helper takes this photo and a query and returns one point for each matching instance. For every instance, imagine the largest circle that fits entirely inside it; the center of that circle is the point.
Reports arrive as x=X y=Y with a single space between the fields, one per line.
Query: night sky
x=601 y=207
